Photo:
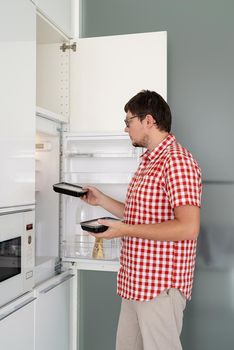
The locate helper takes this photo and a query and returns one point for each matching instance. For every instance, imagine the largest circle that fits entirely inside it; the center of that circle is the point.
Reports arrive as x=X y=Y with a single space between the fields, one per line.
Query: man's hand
x=93 y=196
x=115 y=229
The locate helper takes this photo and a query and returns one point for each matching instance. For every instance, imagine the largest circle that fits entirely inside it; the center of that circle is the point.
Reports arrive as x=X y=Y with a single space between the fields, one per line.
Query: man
x=159 y=230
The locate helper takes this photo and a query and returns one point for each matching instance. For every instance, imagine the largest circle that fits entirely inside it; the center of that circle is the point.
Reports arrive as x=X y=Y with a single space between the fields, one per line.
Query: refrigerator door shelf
x=99 y=145
x=97 y=178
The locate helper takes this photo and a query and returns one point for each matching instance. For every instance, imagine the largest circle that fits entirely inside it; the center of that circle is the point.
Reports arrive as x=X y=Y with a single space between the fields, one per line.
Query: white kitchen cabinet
x=17 y=90
x=86 y=84
x=58 y=12
x=105 y=72
x=17 y=324
x=54 y=309
x=52 y=72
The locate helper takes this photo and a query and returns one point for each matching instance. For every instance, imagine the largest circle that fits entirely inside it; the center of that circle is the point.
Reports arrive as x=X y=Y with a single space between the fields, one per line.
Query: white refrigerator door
x=105 y=72
x=17 y=90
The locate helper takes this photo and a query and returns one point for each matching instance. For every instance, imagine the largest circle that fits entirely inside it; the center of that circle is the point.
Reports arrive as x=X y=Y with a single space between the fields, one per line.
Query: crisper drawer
x=84 y=246
x=79 y=244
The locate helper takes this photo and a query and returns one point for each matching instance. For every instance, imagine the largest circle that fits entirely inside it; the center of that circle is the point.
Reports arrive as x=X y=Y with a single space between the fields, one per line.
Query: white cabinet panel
x=17 y=90
x=52 y=81
x=17 y=328
x=106 y=72
x=58 y=12
x=52 y=321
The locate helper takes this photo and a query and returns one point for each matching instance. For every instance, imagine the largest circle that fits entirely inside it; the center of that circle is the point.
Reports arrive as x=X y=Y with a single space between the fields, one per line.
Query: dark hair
x=149 y=102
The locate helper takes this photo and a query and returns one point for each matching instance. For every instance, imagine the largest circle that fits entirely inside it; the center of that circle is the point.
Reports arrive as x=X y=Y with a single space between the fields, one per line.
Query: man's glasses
x=126 y=121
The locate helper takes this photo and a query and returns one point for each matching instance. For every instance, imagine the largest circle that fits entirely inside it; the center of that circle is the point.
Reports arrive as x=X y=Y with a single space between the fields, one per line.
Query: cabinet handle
x=16 y=308
x=52 y=286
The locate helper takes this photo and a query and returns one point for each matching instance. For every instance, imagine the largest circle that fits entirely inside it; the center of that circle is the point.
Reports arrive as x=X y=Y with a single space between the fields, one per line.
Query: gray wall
x=200 y=93
x=200 y=66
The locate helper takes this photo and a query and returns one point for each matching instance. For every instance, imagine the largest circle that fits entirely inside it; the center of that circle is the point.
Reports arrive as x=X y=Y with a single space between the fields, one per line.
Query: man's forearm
x=113 y=206
x=185 y=226
x=166 y=231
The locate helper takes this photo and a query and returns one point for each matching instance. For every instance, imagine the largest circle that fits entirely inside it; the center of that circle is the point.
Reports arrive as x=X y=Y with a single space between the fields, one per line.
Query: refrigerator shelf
x=100 y=155
x=97 y=178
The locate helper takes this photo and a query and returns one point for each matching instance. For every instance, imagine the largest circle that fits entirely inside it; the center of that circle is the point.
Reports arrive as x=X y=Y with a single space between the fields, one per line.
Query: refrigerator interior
x=47 y=155
x=106 y=162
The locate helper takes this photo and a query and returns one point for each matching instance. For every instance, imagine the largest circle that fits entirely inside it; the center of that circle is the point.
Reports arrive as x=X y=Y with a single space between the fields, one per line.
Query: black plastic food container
x=69 y=189
x=93 y=225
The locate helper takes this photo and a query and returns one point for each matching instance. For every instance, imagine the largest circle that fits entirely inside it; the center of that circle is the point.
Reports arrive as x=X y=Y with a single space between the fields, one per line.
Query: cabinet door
x=52 y=321
x=58 y=12
x=17 y=90
x=106 y=72
x=17 y=329
x=52 y=67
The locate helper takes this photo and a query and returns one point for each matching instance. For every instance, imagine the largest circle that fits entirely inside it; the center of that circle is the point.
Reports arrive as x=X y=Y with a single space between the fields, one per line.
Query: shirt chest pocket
x=147 y=188
x=146 y=200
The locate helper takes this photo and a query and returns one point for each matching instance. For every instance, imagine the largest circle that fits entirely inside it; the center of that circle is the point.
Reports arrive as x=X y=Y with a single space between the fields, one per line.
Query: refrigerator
x=104 y=160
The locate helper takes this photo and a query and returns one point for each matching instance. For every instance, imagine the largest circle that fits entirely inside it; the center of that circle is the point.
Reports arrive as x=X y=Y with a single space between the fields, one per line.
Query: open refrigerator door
x=106 y=161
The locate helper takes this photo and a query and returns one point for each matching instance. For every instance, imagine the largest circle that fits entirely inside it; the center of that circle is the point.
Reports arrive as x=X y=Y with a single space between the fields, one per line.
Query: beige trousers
x=151 y=325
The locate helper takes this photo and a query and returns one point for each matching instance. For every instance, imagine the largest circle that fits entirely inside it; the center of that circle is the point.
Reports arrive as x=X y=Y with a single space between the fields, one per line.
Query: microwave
x=17 y=254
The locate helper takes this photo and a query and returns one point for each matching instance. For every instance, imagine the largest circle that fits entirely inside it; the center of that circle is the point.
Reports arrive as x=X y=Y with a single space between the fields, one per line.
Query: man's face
x=136 y=130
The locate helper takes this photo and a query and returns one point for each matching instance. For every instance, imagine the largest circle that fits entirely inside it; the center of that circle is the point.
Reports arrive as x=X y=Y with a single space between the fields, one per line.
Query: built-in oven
x=17 y=255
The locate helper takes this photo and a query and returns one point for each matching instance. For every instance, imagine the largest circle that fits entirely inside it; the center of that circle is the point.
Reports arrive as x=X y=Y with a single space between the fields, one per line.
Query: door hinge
x=65 y=47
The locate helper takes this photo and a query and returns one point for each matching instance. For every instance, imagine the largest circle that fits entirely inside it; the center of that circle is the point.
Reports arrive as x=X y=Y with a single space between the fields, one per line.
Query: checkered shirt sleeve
x=183 y=181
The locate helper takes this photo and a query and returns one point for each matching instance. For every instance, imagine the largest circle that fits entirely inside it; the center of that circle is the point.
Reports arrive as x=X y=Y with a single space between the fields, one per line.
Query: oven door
x=12 y=256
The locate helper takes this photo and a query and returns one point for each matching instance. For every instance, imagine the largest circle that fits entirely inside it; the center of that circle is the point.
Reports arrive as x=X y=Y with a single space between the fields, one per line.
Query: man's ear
x=150 y=120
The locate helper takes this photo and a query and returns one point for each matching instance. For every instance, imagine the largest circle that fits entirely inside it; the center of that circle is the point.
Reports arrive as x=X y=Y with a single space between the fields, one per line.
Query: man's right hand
x=93 y=197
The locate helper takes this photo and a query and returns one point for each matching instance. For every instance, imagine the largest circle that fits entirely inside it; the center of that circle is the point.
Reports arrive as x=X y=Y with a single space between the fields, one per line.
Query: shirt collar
x=147 y=155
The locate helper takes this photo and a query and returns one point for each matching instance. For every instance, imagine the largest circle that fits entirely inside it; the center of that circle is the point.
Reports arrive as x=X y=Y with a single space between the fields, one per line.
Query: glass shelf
x=91 y=178
x=100 y=155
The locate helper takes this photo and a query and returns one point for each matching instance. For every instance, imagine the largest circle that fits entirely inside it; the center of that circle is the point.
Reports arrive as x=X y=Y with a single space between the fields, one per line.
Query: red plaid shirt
x=167 y=177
